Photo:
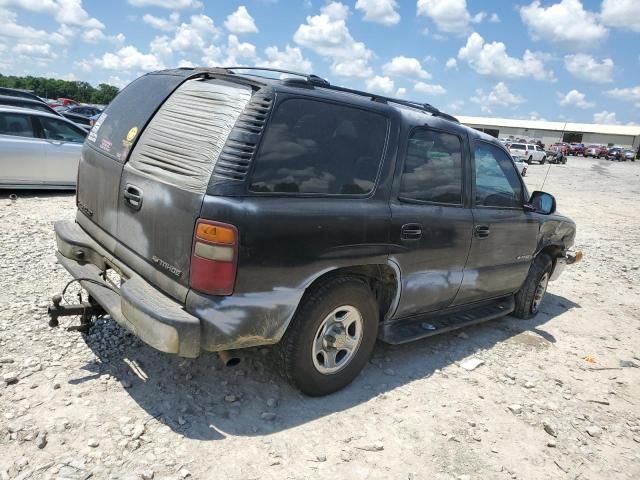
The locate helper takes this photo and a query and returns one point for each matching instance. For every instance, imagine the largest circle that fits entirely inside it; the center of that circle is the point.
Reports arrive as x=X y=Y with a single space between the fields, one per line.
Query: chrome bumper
x=569 y=258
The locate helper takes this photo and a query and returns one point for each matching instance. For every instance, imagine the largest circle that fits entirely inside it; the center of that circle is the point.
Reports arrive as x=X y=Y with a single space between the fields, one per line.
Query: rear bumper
x=137 y=306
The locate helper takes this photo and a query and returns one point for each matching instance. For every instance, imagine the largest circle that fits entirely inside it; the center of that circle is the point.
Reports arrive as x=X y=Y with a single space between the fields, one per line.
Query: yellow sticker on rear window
x=132 y=134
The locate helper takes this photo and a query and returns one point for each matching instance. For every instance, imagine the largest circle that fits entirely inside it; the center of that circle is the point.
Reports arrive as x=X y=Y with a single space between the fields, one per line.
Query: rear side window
x=433 y=168
x=321 y=148
x=16 y=124
x=518 y=146
x=116 y=129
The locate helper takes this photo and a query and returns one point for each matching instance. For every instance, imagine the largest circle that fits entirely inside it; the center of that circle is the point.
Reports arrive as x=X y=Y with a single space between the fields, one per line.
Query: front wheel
x=530 y=296
x=331 y=336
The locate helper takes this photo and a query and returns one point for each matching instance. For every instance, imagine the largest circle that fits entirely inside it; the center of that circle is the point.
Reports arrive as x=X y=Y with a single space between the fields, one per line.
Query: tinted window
x=58 y=130
x=497 y=182
x=15 y=124
x=318 y=147
x=518 y=146
x=131 y=109
x=433 y=168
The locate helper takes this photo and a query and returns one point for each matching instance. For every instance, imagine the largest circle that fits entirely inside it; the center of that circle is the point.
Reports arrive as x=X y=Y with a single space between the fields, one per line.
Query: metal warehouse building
x=551 y=132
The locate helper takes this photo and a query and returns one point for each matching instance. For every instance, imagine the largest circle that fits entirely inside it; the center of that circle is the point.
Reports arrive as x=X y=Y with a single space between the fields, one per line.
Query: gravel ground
x=556 y=397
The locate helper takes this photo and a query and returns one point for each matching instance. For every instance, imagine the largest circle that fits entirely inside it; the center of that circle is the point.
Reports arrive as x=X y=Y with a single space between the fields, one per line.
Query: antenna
x=564 y=128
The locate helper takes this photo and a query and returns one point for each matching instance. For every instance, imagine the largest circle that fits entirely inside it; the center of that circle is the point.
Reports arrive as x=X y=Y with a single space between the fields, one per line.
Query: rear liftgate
x=162 y=187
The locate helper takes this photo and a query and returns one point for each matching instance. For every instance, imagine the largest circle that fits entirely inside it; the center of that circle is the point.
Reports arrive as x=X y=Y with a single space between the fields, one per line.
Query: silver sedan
x=38 y=149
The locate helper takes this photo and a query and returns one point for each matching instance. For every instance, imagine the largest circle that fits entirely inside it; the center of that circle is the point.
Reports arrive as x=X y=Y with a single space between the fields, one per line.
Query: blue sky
x=573 y=60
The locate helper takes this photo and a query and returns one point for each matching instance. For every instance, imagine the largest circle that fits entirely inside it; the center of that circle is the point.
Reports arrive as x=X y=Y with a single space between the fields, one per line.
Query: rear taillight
x=214 y=258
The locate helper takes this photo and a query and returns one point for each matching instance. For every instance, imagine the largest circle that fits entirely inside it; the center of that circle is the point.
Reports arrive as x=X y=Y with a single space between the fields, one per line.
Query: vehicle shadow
x=202 y=399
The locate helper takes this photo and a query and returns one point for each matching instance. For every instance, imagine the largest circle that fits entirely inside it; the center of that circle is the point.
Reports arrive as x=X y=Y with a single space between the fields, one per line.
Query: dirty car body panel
x=184 y=146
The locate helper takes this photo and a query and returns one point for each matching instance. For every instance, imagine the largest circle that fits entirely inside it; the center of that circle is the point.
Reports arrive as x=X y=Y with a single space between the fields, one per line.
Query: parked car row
x=81 y=115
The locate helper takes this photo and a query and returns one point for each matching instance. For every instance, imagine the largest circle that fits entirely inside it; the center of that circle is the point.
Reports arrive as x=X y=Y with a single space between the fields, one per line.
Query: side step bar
x=427 y=325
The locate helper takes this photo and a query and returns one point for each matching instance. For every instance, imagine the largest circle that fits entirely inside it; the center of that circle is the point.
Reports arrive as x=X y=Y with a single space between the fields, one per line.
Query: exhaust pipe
x=230 y=358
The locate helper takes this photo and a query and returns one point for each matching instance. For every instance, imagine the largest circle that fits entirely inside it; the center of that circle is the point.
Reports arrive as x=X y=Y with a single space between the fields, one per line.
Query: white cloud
x=327 y=35
x=405 y=67
x=451 y=63
x=630 y=94
x=380 y=84
x=25 y=33
x=42 y=50
x=621 y=14
x=167 y=24
x=194 y=36
x=379 y=11
x=290 y=58
x=587 y=68
x=607 y=118
x=127 y=58
x=499 y=96
x=169 y=4
x=238 y=52
x=429 y=89
x=456 y=105
x=241 y=21
x=492 y=59
x=401 y=92
x=479 y=17
x=68 y=12
x=574 y=98
x=564 y=22
x=494 y=18
x=450 y=16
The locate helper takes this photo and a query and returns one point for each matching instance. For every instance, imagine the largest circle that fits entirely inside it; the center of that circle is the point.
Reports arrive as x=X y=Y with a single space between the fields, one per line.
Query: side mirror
x=542 y=202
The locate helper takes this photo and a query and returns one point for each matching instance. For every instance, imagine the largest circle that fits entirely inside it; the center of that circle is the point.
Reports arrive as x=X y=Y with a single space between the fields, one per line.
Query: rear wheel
x=330 y=337
x=530 y=296
x=530 y=160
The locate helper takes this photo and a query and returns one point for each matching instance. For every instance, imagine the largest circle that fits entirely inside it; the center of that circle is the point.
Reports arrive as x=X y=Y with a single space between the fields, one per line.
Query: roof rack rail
x=321 y=82
x=311 y=78
x=425 y=107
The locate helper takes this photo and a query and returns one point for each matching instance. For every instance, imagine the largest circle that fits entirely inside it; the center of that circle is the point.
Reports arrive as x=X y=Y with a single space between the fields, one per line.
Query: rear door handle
x=133 y=196
x=411 y=231
x=481 y=231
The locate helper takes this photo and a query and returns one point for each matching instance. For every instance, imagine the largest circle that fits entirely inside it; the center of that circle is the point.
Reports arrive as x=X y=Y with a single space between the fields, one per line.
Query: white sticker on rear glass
x=93 y=134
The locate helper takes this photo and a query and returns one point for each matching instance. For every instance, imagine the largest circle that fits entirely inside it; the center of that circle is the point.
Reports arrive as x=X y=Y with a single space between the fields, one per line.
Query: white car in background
x=38 y=149
x=529 y=152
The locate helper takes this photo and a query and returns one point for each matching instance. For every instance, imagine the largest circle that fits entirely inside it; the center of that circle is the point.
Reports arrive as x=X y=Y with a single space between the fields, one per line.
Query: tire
x=544 y=159
x=530 y=160
x=527 y=301
x=318 y=308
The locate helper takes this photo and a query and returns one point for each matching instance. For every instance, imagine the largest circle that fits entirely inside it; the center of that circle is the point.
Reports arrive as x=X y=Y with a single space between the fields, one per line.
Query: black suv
x=238 y=210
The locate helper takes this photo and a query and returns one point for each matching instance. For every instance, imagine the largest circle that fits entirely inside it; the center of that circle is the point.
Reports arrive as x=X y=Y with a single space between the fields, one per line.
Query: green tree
x=79 y=91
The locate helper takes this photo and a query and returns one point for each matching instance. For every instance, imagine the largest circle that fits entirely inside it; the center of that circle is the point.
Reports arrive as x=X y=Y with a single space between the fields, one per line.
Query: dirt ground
x=558 y=396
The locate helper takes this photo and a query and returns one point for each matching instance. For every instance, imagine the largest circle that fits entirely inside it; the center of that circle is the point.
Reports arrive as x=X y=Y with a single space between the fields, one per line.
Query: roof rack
x=425 y=107
x=315 y=80
x=311 y=78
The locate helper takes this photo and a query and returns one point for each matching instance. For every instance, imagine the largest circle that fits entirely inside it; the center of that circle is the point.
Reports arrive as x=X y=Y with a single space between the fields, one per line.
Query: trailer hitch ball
x=53 y=310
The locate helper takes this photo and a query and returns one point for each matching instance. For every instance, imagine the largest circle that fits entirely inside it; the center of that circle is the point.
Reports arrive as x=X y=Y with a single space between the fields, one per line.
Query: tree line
x=82 y=92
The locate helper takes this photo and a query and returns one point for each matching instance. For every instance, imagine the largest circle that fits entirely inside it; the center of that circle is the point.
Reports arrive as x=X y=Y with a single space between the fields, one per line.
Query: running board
x=427 y=325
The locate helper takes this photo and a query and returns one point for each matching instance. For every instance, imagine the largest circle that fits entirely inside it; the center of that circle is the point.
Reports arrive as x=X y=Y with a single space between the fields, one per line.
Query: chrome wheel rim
x=541 y=289
x=337 y=340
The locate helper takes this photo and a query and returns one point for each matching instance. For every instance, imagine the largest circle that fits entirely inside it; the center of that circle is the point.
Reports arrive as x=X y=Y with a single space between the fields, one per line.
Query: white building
x=551 y=132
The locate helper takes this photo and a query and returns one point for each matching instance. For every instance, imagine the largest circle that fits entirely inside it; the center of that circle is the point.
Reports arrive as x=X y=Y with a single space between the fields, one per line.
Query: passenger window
x=15 y=124
x=433 y=168
x=319 y=147
x=61 y=131
x=497 y=183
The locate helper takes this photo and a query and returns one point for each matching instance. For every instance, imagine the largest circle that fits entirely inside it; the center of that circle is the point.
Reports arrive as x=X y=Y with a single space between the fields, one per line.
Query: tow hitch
x=87 y=310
